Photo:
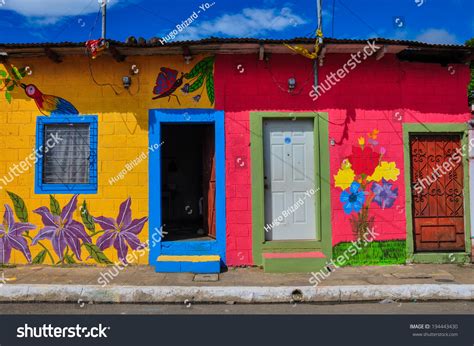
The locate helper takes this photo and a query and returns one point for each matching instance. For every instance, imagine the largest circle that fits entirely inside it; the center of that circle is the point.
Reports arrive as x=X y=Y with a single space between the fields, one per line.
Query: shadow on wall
x=98 y=87
x=243 y=83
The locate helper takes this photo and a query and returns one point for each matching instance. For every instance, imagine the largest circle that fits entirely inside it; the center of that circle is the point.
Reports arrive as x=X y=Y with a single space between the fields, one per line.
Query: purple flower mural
x=11 y=236
x=121 y=231
x=62 y=229
x=384 y=195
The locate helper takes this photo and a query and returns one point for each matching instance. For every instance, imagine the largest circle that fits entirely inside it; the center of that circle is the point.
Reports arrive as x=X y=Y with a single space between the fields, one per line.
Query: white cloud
x=439 y=36
x=47 y=12
x=249 y=23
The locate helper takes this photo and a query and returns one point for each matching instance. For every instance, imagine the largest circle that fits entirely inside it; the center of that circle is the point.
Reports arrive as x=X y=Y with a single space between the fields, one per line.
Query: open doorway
x=188 y=182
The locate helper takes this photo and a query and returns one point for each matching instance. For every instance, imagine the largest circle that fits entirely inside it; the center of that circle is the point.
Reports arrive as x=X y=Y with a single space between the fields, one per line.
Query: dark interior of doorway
x=188 y=182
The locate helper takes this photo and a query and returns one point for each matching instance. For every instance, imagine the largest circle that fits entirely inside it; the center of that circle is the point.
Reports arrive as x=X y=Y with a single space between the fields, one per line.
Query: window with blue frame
x=66 y=151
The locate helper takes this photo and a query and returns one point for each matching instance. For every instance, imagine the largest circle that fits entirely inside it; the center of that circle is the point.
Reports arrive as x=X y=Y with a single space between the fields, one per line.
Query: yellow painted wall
x=122 y=133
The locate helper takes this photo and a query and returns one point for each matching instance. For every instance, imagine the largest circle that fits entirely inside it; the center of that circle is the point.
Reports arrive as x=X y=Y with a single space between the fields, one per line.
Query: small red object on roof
x=95 y=47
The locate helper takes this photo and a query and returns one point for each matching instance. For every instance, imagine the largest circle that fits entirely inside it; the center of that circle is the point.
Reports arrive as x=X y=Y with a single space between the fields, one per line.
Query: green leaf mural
x=96 y=253
x=87 y=218
x=40 y=257
x=20 y=207
x=197 y=84
x=202 y=72
x=11 y=78
x=210 y=89
x=69 y=259
x=54 y=206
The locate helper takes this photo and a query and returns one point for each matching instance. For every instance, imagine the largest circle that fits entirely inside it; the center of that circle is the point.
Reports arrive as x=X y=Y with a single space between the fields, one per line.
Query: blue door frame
x=185 y=116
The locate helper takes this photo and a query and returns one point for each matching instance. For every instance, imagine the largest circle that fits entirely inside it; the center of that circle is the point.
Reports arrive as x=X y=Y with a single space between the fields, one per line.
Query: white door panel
x=289 y=173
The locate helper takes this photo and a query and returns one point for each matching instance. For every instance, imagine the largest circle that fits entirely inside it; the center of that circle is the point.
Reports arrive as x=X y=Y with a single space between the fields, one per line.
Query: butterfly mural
x=200 y=78
x=167 y=83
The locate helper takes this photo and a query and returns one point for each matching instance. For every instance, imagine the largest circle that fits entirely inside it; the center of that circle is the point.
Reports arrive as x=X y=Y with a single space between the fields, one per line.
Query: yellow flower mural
x=345 y=176
x=386 y=170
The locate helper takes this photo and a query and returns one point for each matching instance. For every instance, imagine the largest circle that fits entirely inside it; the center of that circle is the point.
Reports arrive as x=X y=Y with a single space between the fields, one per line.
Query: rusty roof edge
x=214 y=40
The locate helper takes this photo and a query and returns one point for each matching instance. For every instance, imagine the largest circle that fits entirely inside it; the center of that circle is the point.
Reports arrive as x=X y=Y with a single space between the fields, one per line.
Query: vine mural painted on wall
x=365 y=179
x=200 y=78
x=9 y=80
x=68 y=237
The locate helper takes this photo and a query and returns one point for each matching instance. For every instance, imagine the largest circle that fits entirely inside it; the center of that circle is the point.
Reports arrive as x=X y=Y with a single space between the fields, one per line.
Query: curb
x=238 y=294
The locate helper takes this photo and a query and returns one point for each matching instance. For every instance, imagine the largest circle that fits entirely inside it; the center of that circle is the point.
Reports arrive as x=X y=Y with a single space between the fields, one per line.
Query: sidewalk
x=140 y=284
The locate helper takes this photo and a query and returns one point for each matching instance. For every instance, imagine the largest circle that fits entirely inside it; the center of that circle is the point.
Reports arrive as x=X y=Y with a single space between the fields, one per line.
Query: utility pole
x=104 y=17
x=320 y=18
x=319 y=10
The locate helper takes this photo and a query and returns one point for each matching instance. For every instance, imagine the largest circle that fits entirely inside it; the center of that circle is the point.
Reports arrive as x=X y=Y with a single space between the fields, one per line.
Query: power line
x=333 y=13
x=358 y=17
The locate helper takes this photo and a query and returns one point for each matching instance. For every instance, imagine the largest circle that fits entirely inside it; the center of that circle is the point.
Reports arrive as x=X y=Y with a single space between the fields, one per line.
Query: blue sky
x=434 y=21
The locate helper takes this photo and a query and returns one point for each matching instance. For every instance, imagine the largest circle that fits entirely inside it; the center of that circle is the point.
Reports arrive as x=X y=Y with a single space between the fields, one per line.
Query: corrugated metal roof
x=216 y=40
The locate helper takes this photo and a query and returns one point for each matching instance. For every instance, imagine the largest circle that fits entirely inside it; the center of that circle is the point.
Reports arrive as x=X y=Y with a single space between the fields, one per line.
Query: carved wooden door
x=437 y=193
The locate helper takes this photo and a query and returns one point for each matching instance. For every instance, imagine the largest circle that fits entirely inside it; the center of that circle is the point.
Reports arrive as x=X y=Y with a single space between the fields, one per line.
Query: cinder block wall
x=122 y=132
x=379 y=95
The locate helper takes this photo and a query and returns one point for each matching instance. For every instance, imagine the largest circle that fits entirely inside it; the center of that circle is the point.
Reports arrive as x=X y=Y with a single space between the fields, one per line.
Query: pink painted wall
x=371 y=94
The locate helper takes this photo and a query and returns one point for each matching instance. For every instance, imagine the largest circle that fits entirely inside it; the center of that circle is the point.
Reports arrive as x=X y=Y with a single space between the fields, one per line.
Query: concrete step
x=199 y=264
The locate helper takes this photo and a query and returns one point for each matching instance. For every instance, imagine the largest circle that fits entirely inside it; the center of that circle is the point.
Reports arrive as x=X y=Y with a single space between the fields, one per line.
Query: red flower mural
x=364 y=160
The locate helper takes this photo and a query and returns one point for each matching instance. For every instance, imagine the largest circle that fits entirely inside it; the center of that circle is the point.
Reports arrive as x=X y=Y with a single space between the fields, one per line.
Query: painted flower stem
x=95 y=233
x=44 y=248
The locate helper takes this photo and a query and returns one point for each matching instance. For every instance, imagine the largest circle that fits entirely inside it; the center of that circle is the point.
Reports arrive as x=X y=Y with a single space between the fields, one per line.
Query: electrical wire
x=333 y=14
x=358 y=17
x=68 y=23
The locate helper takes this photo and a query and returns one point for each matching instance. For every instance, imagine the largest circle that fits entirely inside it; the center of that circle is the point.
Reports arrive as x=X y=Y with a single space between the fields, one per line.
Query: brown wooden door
x=209 y=183
x=438 y=203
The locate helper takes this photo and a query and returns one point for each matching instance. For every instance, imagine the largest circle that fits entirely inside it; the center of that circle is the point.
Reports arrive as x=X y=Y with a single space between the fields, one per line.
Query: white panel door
x=289 y=180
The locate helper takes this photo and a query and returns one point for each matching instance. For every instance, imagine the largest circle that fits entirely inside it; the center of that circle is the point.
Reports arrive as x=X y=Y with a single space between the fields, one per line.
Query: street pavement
x=187 y=308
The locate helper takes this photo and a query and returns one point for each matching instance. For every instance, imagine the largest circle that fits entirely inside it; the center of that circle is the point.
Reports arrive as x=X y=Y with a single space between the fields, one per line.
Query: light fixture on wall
x=127 y=81
x=291 y=84
x=134 y=69
x=187 y=55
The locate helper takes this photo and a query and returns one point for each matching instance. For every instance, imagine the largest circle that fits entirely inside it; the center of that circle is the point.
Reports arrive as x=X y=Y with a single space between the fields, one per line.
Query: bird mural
x=49 y=104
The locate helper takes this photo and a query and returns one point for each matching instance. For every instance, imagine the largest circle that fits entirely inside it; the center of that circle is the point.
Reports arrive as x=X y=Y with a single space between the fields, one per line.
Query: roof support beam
x=187 y=55
x=261 y=52
x=3 y=57
x=380 y=53
x=118 y=57
x=52 y=55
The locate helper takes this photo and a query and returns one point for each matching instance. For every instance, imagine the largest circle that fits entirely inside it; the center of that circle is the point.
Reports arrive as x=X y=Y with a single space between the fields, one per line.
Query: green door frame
x=437 y=257
x=322 y=186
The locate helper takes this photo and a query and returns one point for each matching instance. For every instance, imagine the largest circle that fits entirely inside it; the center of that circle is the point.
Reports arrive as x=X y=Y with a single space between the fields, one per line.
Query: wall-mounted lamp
x=291 y=84
x=187 y=55
x=127 y=81
x=134 y=69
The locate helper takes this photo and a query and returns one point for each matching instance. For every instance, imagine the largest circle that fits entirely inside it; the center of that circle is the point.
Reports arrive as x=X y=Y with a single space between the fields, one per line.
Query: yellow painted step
x=208 y=258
